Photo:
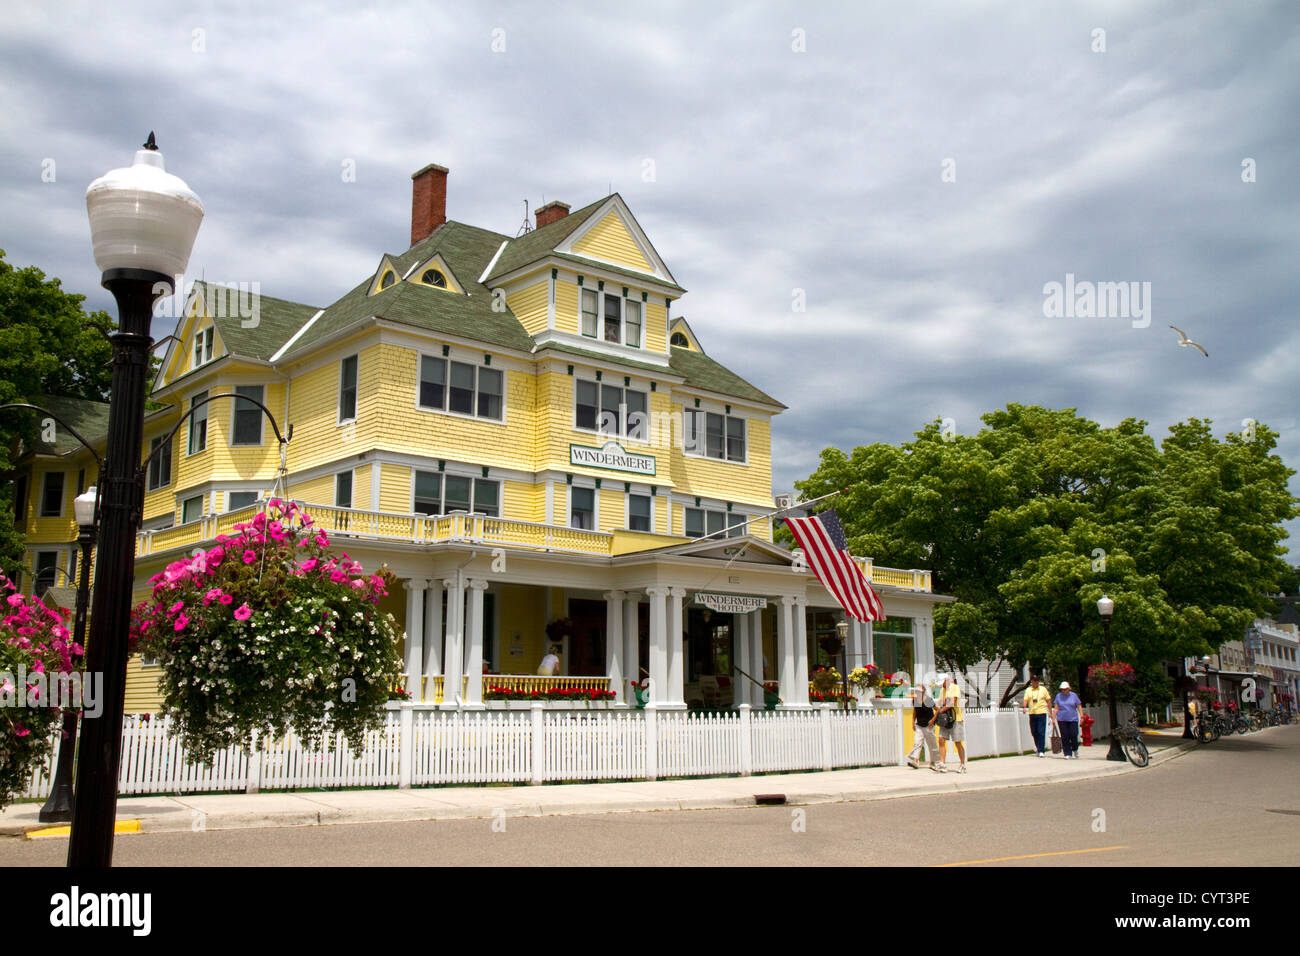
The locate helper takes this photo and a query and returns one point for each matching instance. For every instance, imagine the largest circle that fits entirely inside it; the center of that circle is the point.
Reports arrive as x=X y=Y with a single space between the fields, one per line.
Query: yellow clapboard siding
x=318 y=491
x=656 y=327
x=566 y=306
x=529 y=306
x=609 y=240
x=613 y=508
x=361 y=487
x=142 y=695
x=730 y=481
x=395 y=489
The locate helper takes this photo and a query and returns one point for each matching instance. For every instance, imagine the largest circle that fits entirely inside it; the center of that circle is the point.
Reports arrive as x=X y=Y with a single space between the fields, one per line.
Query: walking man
x=1036 y=704
x=950 y=704
x=1066 y=714
x=923 y=727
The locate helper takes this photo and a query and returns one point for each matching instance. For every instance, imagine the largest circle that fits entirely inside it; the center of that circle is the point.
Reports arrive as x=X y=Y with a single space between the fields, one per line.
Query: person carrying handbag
x=923 y=727
x=951 y=724
x=1065 y=713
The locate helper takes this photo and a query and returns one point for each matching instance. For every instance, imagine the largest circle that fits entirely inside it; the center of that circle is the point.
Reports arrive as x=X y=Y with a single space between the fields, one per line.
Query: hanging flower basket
x=1116 y=676
x=35 y=647
x=268 y=631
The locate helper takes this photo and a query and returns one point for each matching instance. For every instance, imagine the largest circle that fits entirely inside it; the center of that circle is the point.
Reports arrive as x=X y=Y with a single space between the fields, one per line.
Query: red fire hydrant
x=1085 y=730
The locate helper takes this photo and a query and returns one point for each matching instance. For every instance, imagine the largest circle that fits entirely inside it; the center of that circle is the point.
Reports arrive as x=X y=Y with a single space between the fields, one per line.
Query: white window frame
x=356 y=389
x=730 y=519
x=478 y=367
x=622 y=315
x=241 y=491
x=203 y=346
x=703 y=436
x=189 y=432
x=595 y=506
x=627 y=509
x=184 y=502
x=155 y=461
x=63 y=493
x=261 y=418
x=622 y=433
x=352 y=487
x=473 y=480
x=37 y=570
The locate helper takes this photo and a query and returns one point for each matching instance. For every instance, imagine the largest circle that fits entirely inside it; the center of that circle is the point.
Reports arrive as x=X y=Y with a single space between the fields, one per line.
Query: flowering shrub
x=34 y=644
x=269 y=631
x=864 y=678
x=577 y=694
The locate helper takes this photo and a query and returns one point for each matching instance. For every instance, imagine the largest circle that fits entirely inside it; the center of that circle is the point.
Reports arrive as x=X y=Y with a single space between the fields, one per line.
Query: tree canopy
x=1030 y=521
x=49 y=345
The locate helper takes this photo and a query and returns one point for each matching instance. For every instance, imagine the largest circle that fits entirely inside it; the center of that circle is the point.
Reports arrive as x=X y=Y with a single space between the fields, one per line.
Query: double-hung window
x=639 y=512
x=203 y=346
x=343 y=489
x=47 y=570
x=160 y=463
x=459 y=387
x=611 y=410
x=712 y=435
x=52 y=495
x=191 y=509
x=247 y=428
x=440 y=494
x=582 y=508
x=610 y=318
x=240 y=499
x=198 y=424
x=706 y=521
x=348 y=389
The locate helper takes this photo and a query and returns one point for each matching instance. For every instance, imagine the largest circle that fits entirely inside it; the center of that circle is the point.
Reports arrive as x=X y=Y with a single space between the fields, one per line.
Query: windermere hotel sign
x=611 y=455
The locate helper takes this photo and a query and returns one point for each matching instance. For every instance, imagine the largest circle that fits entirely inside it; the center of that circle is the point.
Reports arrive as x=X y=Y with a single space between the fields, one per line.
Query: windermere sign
x=611 y=455
x=730 y=603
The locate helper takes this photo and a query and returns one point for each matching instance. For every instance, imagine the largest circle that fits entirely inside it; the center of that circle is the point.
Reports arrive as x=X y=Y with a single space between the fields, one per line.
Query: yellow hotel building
x=523 y=433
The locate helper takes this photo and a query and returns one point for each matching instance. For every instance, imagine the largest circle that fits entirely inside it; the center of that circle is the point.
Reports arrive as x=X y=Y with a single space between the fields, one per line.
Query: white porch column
x=800 y=613
x=614 y=643
x=868 y=644
x=631 y=646
x=415 y=588
x=740 y=656
x=924 y=645
x=658 y=598
x=433 y=630
x=785 y=635
x=676 y=656
x=756 y=659
x=454 y=655
x=474 y=644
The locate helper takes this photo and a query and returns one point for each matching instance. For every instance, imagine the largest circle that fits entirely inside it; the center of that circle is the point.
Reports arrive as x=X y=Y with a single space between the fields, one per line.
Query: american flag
x=822 y=538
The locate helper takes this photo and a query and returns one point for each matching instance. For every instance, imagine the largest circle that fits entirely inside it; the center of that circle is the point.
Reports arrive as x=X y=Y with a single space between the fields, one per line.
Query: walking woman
x=1065 y=711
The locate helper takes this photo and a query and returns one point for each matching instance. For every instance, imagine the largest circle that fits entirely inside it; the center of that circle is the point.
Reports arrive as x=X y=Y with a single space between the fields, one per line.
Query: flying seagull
x=1184 y=341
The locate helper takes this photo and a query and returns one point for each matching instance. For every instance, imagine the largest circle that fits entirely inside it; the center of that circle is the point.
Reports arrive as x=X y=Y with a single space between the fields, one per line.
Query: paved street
x=1213 y=805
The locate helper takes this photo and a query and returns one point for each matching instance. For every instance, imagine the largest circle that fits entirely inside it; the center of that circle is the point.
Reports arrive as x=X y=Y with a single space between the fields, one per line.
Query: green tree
x=1030 y=521
x=49 y=345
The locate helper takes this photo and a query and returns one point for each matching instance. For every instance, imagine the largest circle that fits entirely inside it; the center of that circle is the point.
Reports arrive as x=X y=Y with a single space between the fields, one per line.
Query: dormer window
x=203 y=346
x=388 y=279
x=680 y=340
x=611 y=318
x=435 y=278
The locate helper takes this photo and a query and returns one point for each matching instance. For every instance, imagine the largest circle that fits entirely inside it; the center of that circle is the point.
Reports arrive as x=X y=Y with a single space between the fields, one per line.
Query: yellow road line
x=1031 y=856
x=121 y=826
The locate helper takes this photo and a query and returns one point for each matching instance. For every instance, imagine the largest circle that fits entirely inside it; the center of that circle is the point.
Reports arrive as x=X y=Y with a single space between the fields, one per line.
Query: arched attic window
x=434 y=277
x=680 y=339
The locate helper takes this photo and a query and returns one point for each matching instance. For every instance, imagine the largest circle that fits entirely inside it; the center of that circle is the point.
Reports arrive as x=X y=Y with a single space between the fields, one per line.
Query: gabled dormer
x=436 y=274
x=197 y=341
x=681 y=336
x=612 y=235
x=386 y=276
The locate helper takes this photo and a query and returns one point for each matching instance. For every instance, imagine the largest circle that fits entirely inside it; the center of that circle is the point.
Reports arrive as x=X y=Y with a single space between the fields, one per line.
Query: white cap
x=1065 y=685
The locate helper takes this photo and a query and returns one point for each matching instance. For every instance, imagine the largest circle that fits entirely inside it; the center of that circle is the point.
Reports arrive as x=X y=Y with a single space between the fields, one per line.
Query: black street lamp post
x=1106 y=607
x=143 y=222
x=58 y=807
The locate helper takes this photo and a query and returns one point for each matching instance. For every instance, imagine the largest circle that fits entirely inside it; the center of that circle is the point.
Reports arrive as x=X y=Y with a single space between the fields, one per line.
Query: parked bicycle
x=1207 y=728
x=1135 y=749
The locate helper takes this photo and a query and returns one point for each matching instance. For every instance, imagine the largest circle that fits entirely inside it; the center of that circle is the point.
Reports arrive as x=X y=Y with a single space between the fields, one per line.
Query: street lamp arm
x=282 y=439
x=75 y=434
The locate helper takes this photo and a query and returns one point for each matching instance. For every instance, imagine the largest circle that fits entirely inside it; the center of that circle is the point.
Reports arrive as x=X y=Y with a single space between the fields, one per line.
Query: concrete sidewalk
x=159 y=814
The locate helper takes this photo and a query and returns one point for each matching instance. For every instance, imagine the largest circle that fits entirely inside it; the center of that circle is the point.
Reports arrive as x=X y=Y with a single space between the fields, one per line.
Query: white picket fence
x=419 y=747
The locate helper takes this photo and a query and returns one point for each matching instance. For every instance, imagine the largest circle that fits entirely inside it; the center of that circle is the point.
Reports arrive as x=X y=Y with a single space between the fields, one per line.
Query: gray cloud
x=774 y=170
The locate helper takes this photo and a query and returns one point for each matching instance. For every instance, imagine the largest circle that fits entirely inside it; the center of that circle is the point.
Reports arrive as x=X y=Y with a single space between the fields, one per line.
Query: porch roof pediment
x=739 y=550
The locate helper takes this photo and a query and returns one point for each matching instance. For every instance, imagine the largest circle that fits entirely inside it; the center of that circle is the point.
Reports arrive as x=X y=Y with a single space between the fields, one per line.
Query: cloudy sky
x=915 y=173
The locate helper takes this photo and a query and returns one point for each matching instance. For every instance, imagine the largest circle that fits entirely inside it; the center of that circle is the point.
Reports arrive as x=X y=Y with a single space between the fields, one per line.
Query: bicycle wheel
x=1241 y=726
x=1136 y=751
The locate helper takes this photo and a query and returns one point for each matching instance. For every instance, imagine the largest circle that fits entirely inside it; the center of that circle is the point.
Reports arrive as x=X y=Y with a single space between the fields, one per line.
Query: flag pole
x=773 y=516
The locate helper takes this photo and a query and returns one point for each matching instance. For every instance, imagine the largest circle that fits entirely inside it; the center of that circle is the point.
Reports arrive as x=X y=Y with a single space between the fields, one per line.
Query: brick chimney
x=428 y=201
x=551 y=212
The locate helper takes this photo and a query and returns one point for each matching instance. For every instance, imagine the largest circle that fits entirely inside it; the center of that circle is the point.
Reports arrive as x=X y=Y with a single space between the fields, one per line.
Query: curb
x=327 y=815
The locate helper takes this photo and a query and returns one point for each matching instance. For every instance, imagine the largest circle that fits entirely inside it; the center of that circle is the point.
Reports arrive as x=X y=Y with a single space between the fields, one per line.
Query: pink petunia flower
x=243 y=612
x=249 y=557
x=226 y=598
x=182 y=622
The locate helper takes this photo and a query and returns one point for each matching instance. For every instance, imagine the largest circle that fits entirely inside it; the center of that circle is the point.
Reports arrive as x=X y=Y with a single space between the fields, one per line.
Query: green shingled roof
x=467 y=251
x=277 y=321
x=87 y=417
x=702 y=372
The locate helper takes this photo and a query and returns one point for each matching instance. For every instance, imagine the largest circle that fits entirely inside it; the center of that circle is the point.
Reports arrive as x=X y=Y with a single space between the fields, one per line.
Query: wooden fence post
x=254 y=776
x=539 y=742
x=651 y=741
x=405 y=745
x=746 y=741
x=824 y=728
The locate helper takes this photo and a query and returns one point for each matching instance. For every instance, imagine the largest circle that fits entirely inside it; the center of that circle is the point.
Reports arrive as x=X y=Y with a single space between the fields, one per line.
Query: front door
x=587 y=643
